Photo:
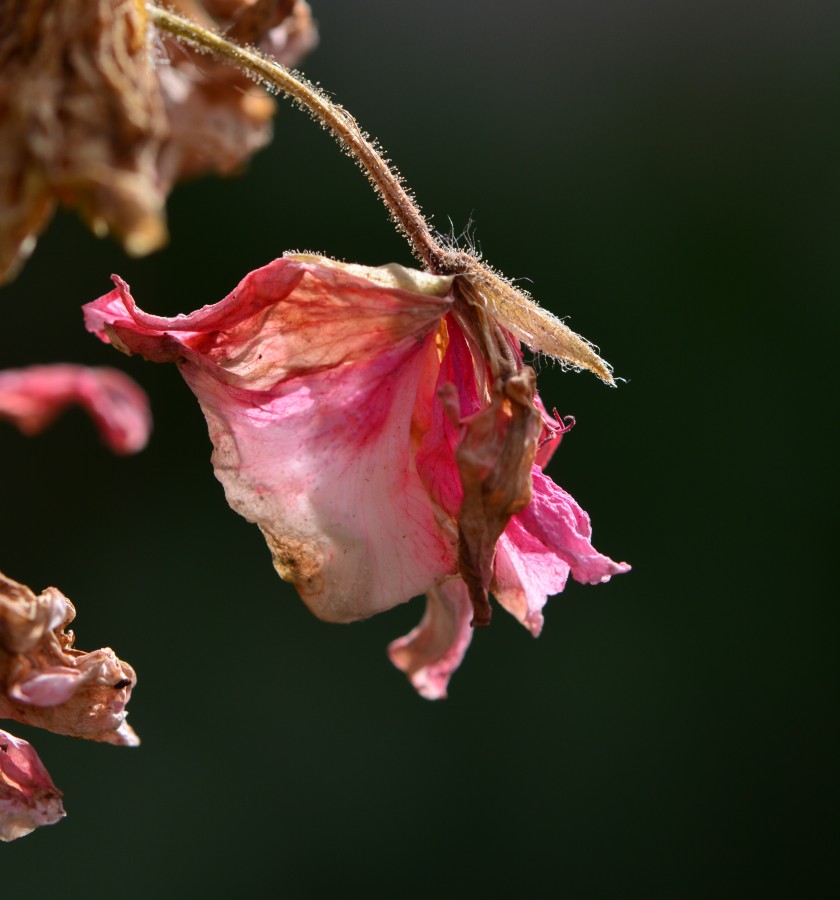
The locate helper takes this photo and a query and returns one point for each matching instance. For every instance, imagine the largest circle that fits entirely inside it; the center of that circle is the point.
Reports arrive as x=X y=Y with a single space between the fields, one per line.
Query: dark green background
x=667 y=174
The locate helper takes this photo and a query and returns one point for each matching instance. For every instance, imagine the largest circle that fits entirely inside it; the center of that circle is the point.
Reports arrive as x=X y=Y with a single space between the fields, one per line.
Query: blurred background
x=665 y=174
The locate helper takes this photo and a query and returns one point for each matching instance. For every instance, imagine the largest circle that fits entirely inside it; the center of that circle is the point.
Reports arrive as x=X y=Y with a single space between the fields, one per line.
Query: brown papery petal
x=494 y=457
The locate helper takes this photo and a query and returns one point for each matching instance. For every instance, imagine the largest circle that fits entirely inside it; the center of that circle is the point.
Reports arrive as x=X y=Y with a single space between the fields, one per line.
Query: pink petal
x=308 y=374
x=50 y=686
x=28 y=797
x=563 y=527
x=456 y=386
x=34 y=397
x=434 y=649
x=540 y=546
x=526 y=574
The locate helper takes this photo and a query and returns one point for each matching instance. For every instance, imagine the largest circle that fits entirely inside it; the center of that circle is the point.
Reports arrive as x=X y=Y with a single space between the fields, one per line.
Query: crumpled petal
x=46 y=682
x=308 y=373
x=34 y=397
x=28 y=797
x=540 y=546
x=431 y=652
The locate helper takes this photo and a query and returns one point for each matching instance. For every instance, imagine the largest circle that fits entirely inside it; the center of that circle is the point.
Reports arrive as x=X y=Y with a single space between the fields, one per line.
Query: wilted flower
x=88 y=120
x=356 y=420
x=81 y=123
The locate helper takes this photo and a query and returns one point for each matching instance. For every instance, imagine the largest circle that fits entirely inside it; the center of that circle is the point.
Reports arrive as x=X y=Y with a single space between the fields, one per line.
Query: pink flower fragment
x=356 y=421
x=34 y=397
x=28 y=797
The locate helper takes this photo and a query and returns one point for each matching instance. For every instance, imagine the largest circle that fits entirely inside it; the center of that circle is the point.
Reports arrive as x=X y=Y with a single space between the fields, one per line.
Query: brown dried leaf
x=494 y=457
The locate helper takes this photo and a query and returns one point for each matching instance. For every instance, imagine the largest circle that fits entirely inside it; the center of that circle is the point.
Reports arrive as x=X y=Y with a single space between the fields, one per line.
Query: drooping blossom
x=47 y=683
x=356 y=418
x=93 y=117
x=28 y=797
x=32 y=398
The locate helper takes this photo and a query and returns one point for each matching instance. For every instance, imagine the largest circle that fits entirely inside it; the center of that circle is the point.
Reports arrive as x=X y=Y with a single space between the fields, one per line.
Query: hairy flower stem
x=402 y=207
x=478 y=284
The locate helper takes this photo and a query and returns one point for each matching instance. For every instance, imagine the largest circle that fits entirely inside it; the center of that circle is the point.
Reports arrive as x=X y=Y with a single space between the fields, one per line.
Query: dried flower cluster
x=93 y=115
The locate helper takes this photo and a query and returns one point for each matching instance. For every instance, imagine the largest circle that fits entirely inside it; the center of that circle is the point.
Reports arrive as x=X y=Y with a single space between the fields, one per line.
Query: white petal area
x=309 y=374
x=323 y=465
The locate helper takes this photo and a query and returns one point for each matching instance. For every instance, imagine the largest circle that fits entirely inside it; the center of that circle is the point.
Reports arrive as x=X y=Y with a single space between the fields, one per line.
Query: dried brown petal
x=494 y=457
x=81 y=123
x=47 y=683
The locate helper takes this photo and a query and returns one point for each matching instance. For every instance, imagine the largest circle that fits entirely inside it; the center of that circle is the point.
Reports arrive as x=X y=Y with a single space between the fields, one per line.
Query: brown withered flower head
x=92 y=117
x=47 y=683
